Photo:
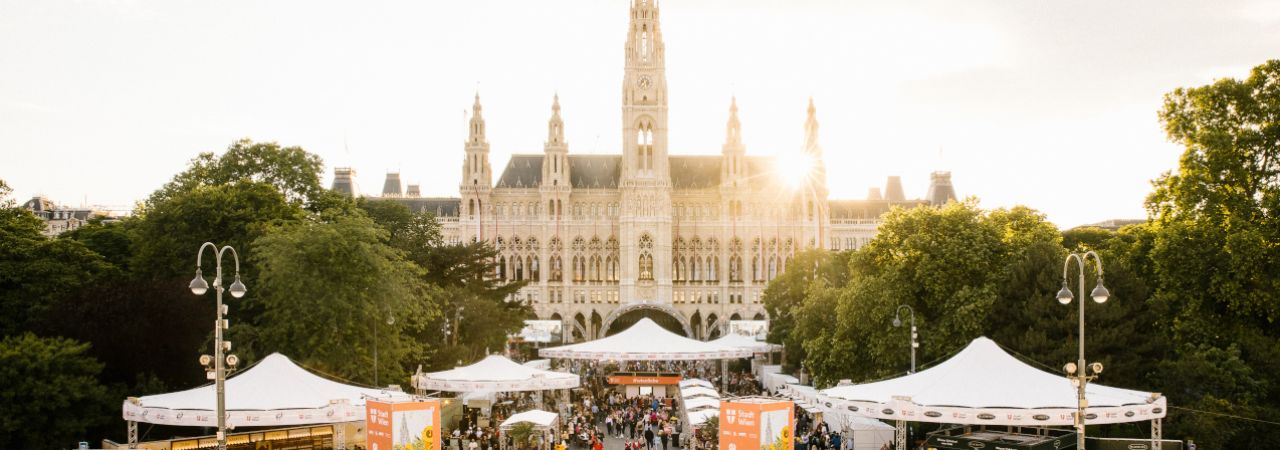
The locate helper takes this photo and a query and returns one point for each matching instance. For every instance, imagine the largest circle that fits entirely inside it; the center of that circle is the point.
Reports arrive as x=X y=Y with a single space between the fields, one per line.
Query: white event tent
x=695 y=404
x=495 y=373
x=688 y=382
x=747 y=342
x=985 y=385
x=273 y=392
x=539 y=418
x=698 y=391
x=645 y=341
x=697 y=418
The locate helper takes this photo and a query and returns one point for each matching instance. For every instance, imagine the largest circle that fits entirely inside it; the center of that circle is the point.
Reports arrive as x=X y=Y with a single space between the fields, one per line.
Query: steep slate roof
x=866 y=209
x=695 y=172
x=605 y=171
x=439 y=206
x=595 y=171
x=523 y=171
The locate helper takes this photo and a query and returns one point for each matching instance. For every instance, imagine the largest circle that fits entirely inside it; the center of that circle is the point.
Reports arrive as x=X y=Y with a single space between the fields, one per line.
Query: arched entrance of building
x=664 y=315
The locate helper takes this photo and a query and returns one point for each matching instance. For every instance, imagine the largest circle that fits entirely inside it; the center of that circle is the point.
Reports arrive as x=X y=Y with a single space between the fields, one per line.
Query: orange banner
x=640 y=379
x=757 y=423
x=402 y=425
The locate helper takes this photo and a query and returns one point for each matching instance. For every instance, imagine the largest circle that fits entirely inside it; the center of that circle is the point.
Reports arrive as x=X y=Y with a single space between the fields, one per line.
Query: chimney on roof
x=391 y=187
x=940 y=189
x=344 y=181
x=893 y=190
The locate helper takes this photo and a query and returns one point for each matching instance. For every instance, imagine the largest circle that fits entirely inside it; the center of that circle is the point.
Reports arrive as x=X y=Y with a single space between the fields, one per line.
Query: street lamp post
x=897 y=322
x=1077 y=372
x=198 y=287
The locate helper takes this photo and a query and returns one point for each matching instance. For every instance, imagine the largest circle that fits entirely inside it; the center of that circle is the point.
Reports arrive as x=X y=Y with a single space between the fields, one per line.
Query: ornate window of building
x=646 y=258
x=611 y=246
x=579 y=261
x=502 y=268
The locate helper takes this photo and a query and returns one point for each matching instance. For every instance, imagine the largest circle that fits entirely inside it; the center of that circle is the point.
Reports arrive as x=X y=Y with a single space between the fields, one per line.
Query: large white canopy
x=498 y=374
x=697 y=418
x=687 y=382
x=537 y=417
x=273 y=392
x=985 y=385
x=698 y=391
x=645 y=341
x=748 y=342
x=694 y=404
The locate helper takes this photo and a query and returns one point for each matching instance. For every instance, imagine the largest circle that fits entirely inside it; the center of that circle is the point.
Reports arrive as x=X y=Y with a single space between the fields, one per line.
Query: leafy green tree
x=36 y=271
x=481 y=310
x=784 y=298
x=325 y=287
x=1215 y=258
x=293 y=171
x=50 y=392
x=153 y=328
x=168 y=233
x=111 y=239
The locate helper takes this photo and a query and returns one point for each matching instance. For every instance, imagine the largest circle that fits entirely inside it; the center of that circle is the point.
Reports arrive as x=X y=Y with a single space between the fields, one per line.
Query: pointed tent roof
x=273 y=392
x=746 y=342
x=537 y=417
x=496 y=373
x=696 y=391
x=645 y=341
x=985 y=385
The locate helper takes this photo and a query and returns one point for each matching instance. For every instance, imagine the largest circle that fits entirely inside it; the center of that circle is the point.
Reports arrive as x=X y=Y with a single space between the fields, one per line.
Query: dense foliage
x=332 y=282
x=1196 y=289
x=103 y=311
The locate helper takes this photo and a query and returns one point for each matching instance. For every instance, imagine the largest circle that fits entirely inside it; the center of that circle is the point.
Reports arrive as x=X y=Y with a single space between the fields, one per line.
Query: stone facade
x=689 y=240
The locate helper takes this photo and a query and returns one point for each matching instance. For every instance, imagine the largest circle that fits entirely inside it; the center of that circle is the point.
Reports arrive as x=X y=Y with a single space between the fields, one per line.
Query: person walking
x=648 y=438
x=664 y=438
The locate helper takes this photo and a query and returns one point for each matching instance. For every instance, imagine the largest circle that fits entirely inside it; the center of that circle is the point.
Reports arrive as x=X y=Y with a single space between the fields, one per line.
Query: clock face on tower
x=644 y=82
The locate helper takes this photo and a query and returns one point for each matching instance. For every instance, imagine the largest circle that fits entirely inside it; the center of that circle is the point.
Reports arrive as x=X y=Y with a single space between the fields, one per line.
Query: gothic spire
x=811 y=145
x=733 y=134
x=476 y=133
x=555 y=126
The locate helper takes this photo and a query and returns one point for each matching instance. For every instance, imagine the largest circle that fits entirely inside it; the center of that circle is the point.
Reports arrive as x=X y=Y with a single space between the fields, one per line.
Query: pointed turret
x=813 y=150
x=811 y=145
x=475 y=170
x=477 y=175
x=733 y=170
x=555 y=163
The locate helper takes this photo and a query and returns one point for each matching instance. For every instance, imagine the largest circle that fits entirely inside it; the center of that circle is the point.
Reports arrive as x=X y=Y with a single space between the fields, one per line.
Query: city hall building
x=688 y=240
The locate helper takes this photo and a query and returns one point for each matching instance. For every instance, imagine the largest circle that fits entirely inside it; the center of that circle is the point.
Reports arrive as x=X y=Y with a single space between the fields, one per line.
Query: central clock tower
x=644 y=97
x=644 y=226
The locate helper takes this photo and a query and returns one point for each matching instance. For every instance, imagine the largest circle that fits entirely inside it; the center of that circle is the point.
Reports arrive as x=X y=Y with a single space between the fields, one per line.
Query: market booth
x=479 y=384
x=657 y=384
x=647 y=341
x=275 y=392
x=495 y=373
x=984 y=385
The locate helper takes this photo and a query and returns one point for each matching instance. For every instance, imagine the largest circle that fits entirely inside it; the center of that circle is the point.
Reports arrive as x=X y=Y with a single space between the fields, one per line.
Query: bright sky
x=1048 y=104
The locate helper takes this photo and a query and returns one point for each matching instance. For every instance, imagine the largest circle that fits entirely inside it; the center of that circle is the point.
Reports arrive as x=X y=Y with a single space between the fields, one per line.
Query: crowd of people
x=600 y=412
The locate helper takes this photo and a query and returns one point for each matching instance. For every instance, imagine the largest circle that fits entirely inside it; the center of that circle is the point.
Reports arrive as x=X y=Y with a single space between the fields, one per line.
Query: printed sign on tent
x=411 y=425
x=756 y=423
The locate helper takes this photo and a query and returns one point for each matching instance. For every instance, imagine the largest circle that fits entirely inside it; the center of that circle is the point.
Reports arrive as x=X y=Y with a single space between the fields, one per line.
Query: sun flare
x=793 y=169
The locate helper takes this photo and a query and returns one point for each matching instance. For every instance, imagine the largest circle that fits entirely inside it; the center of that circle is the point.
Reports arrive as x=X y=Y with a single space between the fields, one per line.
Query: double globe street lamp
x=1076 y=371
x=218 y=372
